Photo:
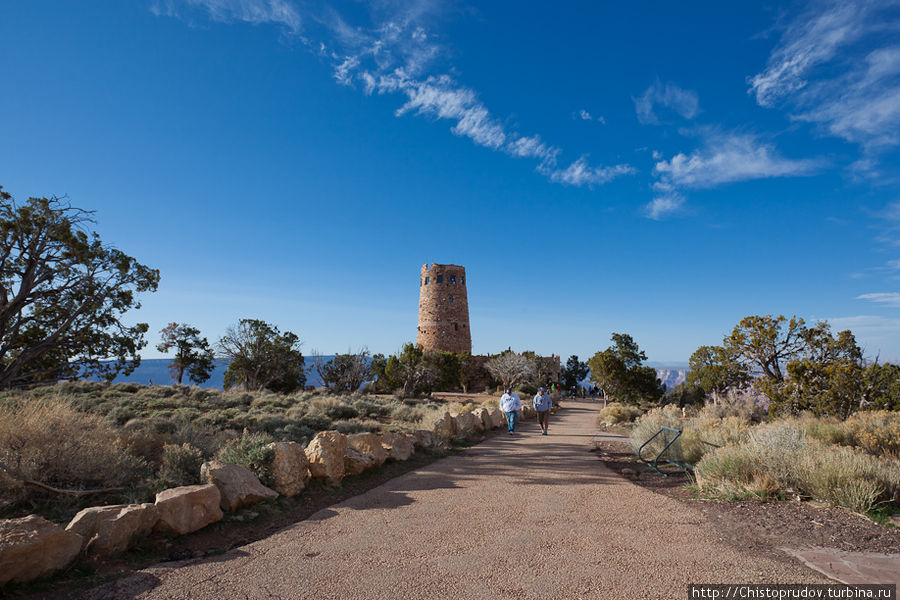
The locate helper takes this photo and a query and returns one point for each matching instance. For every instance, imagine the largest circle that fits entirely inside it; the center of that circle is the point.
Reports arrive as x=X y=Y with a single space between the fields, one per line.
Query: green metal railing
x=655 y=463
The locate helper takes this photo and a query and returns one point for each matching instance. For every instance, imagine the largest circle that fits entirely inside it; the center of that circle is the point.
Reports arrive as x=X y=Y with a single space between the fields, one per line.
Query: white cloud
x=440 y=97
x=251 y=11
x=837 y=65
x=394 y=55
x=580 y=173
x=725 y=158
x=663 y=206
x=533 y=147
x=586 y=116
x=342 y=72
x=886 y=298
x=684 y=102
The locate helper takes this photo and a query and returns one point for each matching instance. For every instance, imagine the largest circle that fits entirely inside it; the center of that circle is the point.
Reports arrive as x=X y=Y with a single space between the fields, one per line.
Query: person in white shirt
x=542 y=404
x=510 y=405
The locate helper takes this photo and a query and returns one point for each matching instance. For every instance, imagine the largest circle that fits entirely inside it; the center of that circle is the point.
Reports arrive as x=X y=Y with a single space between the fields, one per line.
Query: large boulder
x=424 y=438
x=237 y=485
x=33 y=546
x=496 y=416
x=397 y=445
x=368 y=443
x=466 y=425
x=445 y=428
x=357 y=461
x=326 y=454
x=483 y=418
x=112 y=529
x=290 y=468
x=188 y=508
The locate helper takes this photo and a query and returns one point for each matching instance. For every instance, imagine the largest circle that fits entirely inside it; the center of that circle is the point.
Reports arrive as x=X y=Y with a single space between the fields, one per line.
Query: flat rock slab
x=851 y=567
x=515 y=517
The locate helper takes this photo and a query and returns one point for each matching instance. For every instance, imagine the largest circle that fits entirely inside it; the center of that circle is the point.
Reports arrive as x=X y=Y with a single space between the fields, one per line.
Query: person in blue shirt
x=542 y=405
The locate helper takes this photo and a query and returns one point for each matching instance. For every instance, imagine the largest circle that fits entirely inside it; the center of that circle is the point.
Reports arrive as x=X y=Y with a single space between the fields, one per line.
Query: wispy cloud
x=837 y=65
x=397 y=54
x=580 y=173
x=663 y=206
x=722 y=158
x=251 y=11
x=886 y=298
x=683 y=102
x=726 y=158
x=587 y=116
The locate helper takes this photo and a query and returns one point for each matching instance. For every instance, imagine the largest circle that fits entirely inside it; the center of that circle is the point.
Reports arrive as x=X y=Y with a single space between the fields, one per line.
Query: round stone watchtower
x=443 y=309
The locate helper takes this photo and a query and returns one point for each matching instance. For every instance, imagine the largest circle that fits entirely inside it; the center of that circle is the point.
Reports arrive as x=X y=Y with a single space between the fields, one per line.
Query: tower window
x=455 y=327
x=462 y=280
x=453 y=279
x=440 y=279
x=427 y=280
x=451 y=299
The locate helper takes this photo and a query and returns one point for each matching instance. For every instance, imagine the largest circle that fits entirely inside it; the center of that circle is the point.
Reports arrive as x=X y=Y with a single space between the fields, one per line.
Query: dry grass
x=616 y=413
x=781 y=460
x=877 y=432
x=700 y=433
x=52 y=442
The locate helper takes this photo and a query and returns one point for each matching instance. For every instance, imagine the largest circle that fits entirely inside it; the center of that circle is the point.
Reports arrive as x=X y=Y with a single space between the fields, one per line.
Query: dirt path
x=520 y=516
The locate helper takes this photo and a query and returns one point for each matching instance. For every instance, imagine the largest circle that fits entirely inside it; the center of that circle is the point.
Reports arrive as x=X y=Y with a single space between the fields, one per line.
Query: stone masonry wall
x=443 y=309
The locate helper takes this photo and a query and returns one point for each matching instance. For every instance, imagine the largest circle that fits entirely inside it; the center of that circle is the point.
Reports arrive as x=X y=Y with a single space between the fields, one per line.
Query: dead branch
x=44 y=486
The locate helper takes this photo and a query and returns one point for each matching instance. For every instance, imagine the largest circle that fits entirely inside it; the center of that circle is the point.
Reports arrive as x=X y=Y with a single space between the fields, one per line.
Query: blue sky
x=662 y=169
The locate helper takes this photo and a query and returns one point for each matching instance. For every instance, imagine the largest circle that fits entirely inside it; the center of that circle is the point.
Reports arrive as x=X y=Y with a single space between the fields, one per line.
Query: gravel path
x=521 y=516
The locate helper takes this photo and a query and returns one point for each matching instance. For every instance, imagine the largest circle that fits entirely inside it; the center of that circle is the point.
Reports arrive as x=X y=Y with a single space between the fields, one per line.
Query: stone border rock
x=32 y=547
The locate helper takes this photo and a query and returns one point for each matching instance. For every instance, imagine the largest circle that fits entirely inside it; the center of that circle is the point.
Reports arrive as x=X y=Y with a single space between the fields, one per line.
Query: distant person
x=510 y=405
x=593 y=392
x=542 y=404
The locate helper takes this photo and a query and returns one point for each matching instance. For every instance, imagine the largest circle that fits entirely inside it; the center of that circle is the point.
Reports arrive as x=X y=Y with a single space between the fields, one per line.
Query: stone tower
x=443 y=309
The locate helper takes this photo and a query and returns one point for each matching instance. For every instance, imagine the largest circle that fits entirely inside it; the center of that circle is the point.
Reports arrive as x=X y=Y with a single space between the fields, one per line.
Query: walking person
x=510 y=404
x=542 y=405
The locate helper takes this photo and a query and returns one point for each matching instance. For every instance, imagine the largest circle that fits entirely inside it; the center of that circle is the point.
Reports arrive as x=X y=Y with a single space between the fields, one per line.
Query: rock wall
x=32 y=547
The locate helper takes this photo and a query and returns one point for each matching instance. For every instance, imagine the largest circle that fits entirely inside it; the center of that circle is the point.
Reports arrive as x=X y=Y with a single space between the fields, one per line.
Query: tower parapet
x=443 y=309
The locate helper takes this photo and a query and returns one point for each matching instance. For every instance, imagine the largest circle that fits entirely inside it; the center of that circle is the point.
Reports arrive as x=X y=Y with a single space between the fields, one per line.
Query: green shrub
x=316 y=421
x=293 y=432
x=341 y=411
x=251 y=450
x=121 y=415
x=407 y=413
x=180 y=465
x=271 y=423
x=372 y=410
x=348 y=427
x=824 y=429
x=126 y=388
